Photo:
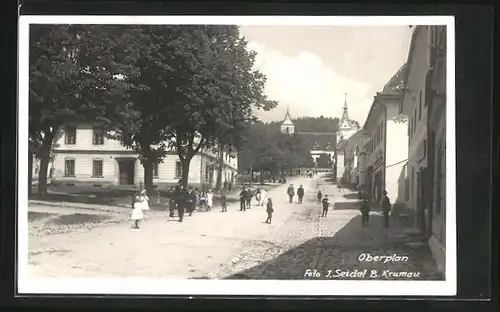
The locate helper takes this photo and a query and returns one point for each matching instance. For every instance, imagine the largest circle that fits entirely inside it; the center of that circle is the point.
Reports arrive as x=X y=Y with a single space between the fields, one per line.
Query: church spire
x=345 y=114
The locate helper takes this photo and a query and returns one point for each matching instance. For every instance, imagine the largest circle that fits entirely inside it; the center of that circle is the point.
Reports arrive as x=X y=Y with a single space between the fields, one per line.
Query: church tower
x=287 y=126
x=346 y=126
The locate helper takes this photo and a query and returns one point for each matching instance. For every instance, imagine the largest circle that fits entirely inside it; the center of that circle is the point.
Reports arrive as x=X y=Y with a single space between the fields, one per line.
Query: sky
x=310 y=69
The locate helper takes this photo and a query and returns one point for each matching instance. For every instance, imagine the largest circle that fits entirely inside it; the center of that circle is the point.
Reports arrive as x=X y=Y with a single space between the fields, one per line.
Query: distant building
x=83 y=155
x=319 y=142
x=344 y=156
x=287 y=126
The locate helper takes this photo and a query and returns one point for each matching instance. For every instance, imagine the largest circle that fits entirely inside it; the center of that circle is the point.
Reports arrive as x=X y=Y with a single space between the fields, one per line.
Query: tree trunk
x=185 y=163
x=148 y=176
x=261 y=176
x=251 y=174
x=30 y=171
x=218 y=183
x=44 y=167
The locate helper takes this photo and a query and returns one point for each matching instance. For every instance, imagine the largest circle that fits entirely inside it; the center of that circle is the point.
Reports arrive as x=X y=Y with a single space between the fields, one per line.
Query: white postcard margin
x=27 y=284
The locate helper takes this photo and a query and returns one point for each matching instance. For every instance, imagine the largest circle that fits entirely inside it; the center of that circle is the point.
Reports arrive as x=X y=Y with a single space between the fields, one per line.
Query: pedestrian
x=263 y=197
x=191 y=201
x=145 y=203
x=365 y=212
x=223 y=200
x=386 y=209
x=291 y=192
x=300 y=193
x=175 y=200
x=183 y=201
x=248 y=198
x=258 y=196
x=243 y=199
x=326 y=204
x=269 y=210
x=338 y=186
x=137 y=214
x=210 y=200
x=170 y=197
x=319 y=196
x=203 y=201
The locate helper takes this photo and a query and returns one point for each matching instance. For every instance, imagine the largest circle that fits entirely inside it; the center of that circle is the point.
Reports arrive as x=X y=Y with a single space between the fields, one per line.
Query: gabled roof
x=397 y=82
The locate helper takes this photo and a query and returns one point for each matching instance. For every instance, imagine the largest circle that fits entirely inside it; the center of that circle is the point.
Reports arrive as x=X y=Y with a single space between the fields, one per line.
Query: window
x=97 y=168
x=70 y=137
x=155 y=169
x=415 y=119
x=287 y=130
x=420 y=106
x=69 y=167
x=178 y=169
x=98 y=136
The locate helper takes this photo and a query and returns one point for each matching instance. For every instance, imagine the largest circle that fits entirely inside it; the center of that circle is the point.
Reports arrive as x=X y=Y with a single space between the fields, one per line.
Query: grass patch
x=78 y=218
x=35 y=216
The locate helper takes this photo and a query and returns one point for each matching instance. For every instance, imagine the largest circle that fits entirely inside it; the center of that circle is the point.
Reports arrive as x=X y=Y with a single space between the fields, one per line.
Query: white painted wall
x=414 y=107
x=397 y=153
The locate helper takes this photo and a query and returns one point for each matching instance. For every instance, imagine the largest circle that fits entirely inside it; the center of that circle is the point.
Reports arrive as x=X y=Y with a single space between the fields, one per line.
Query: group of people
x=291 y=193
x=365 y=210
x=180 y=199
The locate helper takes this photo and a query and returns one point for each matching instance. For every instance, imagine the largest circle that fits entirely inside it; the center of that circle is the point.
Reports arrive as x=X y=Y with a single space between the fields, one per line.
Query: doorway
x=126 y=168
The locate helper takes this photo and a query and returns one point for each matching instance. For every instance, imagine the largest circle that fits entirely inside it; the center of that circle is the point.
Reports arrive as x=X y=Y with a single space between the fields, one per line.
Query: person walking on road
x=326 y=204
x=291 y=192
x=137 y=214
x=191 y=201
x=269 y=210
x=365 y=212
x=319 y=196
x=263 y=197
x=223 y=201
x=248 y=198
x=183 y=201
x=243 y=199
x=386 y=209
x=300 y=193
x=210 y=200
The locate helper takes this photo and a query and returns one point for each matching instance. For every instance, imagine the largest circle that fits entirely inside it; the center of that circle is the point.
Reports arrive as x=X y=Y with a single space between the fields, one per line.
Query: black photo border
x=477 y=153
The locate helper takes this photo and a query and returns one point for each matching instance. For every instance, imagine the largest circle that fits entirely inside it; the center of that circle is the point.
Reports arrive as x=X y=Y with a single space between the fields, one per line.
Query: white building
x=287 y=126
x=415 y=106
x=344 y=157
x=386 y=152
x=83 y=155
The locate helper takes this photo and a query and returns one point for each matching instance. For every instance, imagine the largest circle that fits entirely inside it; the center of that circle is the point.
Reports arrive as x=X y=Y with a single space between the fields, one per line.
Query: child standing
x=269 y=210
x=137 y=214
x=326 y=204
x=319 y=196
x=210 y=200
x=145 y=203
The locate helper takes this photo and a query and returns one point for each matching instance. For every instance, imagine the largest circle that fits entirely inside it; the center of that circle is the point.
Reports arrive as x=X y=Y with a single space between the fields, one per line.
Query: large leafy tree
x=62 y=84
x=224 y=91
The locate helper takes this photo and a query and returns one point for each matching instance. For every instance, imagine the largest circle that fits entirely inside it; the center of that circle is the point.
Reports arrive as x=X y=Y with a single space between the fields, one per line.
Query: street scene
x=231 y=152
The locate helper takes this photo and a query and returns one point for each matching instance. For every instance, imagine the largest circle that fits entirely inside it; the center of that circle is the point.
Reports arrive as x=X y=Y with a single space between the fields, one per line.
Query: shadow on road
x=351 y=196
x=342 y=251
x=346 y=206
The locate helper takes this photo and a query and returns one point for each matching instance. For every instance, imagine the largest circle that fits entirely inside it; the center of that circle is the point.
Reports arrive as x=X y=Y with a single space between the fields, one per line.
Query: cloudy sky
x=310 y=68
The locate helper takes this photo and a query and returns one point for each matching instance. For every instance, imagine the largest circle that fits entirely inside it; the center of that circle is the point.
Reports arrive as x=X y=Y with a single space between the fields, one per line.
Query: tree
x=224 y=91
x=62 y=86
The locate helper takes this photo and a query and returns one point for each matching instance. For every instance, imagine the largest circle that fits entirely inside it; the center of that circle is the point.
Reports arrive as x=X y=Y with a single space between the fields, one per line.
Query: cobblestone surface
x=330 y=248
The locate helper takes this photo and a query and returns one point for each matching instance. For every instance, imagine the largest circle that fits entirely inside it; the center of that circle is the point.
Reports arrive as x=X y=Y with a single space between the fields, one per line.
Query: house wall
x=396 y=158
x=414 y=105
x=84 y=152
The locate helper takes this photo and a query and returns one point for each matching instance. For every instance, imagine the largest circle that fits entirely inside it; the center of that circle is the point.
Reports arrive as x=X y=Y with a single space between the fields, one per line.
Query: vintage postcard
x=237 y=155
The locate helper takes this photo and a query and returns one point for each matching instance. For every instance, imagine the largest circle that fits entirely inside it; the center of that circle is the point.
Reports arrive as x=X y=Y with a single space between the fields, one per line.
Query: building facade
x=82 y=154
x=383 y=160
x=415 y=106
x=436 y=129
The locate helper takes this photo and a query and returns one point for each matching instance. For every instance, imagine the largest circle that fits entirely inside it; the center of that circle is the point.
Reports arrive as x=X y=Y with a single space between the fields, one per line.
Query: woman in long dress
x=263 y=197
x=137 y=214
x=145 y=203
x=210 y=200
